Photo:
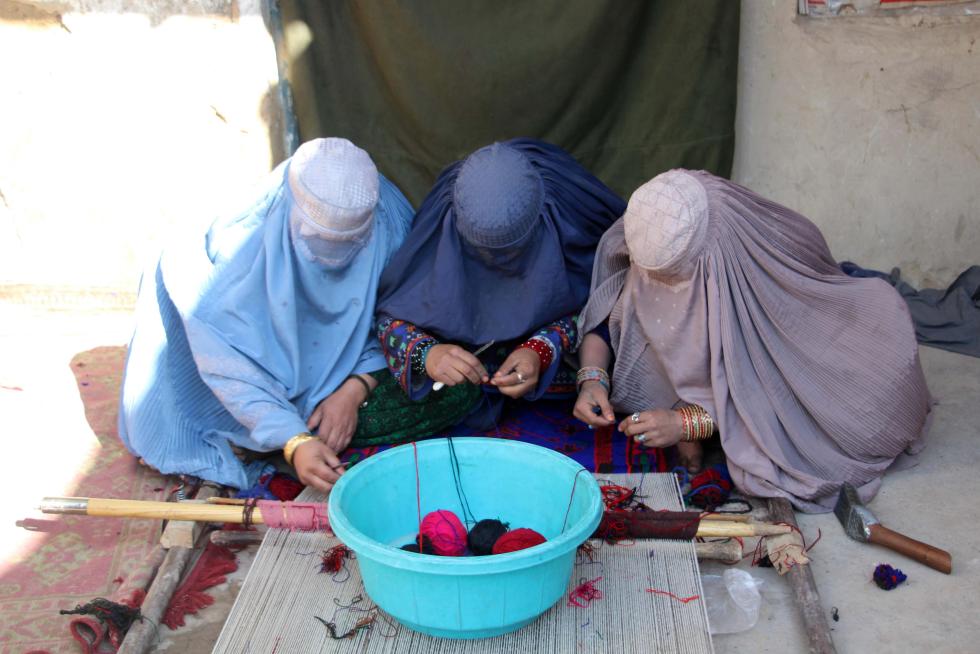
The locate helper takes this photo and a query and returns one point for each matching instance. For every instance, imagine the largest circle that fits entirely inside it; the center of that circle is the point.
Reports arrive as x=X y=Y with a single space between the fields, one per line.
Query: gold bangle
x=289 y=449
x=698 y=424
x=685 y=420
x=706 y=425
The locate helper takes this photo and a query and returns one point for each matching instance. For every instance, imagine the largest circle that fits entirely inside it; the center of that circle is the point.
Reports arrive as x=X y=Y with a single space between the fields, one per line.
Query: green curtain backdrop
x=630 y=88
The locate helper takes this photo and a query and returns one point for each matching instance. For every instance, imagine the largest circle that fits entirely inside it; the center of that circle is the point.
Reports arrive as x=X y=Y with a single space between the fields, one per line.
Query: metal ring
x=521 y=378
x=641 y=438
x=635 y=417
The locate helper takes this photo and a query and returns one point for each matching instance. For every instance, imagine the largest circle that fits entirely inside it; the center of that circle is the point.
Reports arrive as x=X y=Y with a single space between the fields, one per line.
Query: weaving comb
x=861 y=525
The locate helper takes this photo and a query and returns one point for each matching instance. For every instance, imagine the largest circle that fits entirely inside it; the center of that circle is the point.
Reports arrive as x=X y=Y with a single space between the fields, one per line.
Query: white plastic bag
x=732 y=600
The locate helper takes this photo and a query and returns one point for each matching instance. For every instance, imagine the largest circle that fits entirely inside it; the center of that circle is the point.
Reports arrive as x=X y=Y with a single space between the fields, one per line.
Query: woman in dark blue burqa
x=500 y=252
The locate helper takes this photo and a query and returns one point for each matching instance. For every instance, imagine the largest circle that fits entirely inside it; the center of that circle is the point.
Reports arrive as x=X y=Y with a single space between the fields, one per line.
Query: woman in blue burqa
x=500 y=253
x=259 y=336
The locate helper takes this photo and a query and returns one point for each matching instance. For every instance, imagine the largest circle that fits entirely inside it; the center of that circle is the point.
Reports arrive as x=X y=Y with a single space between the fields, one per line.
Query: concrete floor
x=932 y=501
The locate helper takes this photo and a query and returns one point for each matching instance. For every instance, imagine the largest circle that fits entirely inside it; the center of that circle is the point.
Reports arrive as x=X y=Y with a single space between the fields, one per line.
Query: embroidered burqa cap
x=719 y=297
x=502 y=245
x=498 y=196
x=334 y=185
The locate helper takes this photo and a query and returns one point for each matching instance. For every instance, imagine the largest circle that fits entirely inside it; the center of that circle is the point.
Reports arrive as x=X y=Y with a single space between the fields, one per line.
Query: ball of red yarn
x=446 y=533
x=518 y=539
x=285 y=487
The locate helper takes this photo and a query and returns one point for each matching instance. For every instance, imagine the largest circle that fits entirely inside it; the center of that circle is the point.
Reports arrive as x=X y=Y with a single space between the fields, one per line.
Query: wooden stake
x=142 y=636
x=805 y=589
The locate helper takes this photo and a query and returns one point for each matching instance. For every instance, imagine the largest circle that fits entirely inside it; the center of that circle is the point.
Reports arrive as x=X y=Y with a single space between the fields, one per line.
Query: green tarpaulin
x=630 y=88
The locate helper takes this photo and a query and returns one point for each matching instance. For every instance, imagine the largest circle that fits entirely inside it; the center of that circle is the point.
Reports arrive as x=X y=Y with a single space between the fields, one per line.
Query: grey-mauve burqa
x=718 y=297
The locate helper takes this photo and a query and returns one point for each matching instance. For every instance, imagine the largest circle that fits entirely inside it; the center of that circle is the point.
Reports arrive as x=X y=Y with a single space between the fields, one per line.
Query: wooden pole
x=142 y=636
x=640 y=524
x=805 y=589
x=112 y=508
x=679 y=525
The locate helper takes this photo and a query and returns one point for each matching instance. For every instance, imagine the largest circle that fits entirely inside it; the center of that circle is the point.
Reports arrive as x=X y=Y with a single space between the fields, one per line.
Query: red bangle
x=541 y=349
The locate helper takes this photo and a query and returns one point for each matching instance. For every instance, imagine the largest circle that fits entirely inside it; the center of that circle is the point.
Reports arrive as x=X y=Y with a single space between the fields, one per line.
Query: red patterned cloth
x=66 y=561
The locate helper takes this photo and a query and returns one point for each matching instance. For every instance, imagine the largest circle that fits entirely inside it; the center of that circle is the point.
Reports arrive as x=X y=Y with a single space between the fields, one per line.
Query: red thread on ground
x=585 y=593
x=333 y=559
x=682 y=600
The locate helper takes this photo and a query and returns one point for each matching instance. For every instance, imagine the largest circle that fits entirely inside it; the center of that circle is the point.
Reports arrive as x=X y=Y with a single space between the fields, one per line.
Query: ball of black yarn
x=483 y=535
x=427 y=547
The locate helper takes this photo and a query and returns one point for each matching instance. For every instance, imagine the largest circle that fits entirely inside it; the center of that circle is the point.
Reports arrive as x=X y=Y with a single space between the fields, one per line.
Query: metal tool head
x=854 y=516
x=77 y=505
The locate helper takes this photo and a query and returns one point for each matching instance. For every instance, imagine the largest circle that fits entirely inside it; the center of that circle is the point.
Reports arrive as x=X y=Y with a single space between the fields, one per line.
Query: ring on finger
x=641 y=438
x=635 y=417
x=521 y=378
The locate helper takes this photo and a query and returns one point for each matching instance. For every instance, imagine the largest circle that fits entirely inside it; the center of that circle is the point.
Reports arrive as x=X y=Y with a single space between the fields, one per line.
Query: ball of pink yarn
x=446 y=533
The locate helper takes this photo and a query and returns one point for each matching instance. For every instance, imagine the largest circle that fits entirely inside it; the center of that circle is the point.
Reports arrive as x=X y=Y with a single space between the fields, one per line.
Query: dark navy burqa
x=501 y=246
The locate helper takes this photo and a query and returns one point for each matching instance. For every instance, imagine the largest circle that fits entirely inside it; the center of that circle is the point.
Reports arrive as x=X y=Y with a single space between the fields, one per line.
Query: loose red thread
x=585 y=593
x=682 y=600
x=586 y=551
x=333 y=559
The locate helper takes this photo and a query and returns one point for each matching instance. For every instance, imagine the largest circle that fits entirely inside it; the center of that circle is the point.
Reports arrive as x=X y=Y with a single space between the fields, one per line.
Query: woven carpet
x=283 y=592
x=549 y=423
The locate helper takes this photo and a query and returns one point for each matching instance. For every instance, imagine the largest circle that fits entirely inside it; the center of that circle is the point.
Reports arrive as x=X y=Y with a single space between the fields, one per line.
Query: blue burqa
x=486 y=286
x=241 y=334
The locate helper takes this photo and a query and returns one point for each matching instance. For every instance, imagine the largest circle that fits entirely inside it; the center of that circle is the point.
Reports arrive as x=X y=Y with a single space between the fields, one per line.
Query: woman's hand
x=519 y=373
x=335 y=417
x=592 y=396
x=654 y=428
x=317 y=465
x=451 y=365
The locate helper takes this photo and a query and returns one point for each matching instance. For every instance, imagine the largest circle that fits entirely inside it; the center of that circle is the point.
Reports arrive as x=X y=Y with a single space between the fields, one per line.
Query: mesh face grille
x=498 y=197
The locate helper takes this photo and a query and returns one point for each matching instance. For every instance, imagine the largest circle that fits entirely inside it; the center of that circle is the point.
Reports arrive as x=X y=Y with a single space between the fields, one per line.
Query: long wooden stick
x=235 y=514
x=142 y=636
x=719 y=529
x=153 y=510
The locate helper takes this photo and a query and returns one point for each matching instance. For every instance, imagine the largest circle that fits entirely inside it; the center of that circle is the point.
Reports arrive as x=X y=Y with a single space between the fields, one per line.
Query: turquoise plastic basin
x=373 y=511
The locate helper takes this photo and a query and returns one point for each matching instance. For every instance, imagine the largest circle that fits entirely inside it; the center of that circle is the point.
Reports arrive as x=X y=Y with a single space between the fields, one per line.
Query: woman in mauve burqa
x=727 y=312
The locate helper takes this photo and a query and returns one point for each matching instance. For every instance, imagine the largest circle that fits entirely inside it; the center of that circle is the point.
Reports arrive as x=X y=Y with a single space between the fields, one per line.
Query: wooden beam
x=805 y=588
x=142 y=636
x=185 y=533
